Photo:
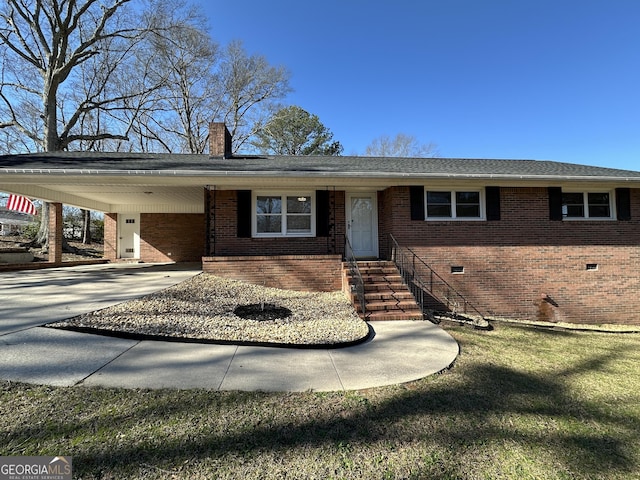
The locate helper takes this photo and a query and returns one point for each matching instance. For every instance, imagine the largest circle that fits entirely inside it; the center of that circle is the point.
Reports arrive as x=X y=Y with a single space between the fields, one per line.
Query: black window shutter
x=244 y=213
x=493 y=203
x=623 y=204
x=322 y=213
x=416 y=197
x=555 y=203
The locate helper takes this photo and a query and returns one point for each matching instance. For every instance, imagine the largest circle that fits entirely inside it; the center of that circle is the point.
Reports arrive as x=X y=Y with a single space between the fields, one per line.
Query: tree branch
x=27 y=53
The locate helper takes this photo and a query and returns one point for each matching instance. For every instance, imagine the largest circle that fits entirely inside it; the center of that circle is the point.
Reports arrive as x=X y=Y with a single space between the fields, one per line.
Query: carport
x=118 y=185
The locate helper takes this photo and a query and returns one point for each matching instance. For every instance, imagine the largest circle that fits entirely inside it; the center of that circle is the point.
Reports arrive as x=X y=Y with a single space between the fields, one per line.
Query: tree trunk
x=51 y=144
x=86 y=227
x=42 y=237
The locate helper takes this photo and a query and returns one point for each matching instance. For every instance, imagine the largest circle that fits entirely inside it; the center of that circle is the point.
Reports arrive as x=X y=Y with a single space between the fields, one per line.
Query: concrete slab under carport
x=34 y=297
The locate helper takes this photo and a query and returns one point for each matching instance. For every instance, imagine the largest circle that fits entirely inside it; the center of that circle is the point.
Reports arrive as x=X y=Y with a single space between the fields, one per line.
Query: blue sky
x=524 y=79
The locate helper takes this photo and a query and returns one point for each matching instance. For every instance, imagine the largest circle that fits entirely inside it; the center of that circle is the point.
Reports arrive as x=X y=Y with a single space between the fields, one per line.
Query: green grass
x=519 y=403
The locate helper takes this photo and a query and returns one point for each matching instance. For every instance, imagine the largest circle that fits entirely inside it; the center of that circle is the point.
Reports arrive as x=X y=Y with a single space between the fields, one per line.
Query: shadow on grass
x=484 y=405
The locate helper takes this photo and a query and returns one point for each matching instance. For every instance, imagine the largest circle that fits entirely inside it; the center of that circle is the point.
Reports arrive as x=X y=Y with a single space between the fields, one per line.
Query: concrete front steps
x=386 y=295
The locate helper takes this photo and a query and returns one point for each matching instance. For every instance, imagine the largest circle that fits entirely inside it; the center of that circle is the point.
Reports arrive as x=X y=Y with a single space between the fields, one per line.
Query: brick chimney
x=219 y=140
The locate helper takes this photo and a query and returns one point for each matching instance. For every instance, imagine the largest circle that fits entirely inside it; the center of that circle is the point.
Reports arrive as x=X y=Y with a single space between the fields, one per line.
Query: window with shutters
x=587 y=205
x=454 y=204
x=278 y=215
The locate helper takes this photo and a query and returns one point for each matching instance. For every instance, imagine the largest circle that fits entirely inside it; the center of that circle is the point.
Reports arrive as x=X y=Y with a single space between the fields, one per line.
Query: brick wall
x=295 y=272
x=223 y=231
x=526 y=266
x=164 y=237
x=171 y=237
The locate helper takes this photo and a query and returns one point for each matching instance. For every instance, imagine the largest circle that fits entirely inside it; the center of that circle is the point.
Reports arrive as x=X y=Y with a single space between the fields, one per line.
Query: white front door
x=129 y=235
x=362 y=223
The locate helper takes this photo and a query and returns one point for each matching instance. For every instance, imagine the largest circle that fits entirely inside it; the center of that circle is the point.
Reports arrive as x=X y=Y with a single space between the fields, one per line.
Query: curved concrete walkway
x=400 y=351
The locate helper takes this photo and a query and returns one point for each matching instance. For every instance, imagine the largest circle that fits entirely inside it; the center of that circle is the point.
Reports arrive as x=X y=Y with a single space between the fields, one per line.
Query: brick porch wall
x=526 y=266
x=321 y=273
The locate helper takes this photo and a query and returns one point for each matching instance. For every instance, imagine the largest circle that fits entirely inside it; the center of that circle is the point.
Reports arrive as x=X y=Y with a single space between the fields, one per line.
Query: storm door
x=362 y=224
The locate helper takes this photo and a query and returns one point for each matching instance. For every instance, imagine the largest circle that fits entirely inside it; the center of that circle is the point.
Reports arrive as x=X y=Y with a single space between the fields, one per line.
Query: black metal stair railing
x=356 y=280
x=431 y=291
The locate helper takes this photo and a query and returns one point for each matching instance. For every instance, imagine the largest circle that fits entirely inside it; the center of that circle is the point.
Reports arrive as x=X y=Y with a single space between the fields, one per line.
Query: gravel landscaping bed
x=203 y=308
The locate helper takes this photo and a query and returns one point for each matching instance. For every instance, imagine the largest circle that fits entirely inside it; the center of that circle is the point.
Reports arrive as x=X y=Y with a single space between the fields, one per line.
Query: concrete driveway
x=33 y=297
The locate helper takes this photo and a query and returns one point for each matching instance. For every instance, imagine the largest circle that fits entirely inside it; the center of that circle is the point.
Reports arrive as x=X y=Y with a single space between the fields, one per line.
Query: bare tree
x=47 y=43
x=184 y=61
x=248 y=90
x=204 y=83
x=64 y=72
x=400 y=146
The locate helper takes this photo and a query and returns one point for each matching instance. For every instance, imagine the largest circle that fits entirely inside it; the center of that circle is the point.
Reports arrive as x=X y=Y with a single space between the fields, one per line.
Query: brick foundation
x=322 y=273
x=546 y=283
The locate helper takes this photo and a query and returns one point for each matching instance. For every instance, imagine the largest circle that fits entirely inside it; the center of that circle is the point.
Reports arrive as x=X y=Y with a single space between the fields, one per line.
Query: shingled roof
x=97 y=163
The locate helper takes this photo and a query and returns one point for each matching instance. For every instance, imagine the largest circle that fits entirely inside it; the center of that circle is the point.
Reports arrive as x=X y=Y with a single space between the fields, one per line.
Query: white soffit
x=172 y=193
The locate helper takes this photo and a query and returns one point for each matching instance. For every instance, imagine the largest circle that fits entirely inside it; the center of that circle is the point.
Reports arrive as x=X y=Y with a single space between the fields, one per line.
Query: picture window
x=283 y=215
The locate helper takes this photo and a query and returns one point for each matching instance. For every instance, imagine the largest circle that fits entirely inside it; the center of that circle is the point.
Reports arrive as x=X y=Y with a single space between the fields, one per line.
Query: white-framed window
x=277 y=214
x=587 y=205
x=454 y=204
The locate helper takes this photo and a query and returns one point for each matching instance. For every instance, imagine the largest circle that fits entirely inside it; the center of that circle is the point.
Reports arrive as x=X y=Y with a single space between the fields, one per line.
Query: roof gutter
x=317 y=173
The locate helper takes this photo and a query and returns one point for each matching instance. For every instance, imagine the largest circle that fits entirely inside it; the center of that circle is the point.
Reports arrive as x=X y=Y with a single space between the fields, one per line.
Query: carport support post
x=55 y=233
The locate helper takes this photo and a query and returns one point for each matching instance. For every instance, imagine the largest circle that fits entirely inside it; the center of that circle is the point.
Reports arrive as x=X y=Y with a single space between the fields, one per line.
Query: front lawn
x=518 y=404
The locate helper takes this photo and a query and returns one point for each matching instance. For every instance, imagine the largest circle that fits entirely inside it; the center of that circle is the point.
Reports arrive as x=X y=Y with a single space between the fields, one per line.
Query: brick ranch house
x=518 y=238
